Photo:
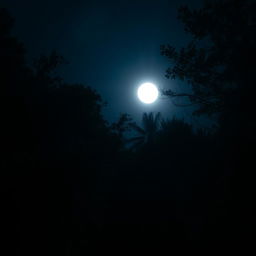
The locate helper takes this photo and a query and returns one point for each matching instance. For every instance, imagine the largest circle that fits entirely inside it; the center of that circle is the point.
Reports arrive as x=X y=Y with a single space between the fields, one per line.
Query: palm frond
x=137 y=128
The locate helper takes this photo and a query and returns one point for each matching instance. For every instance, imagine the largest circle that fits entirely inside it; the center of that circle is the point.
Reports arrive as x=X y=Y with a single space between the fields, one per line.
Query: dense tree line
x=217 y=65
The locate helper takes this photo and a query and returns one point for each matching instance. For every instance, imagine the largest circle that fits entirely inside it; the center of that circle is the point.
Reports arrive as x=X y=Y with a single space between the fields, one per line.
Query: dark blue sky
x=112 y=46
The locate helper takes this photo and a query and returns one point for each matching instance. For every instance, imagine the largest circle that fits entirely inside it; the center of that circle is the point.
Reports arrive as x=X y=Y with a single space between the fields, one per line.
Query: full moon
x=147 y=93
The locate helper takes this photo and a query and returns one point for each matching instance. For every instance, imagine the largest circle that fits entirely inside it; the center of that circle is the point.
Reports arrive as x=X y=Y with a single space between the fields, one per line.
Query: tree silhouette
x=147 y=133
x=218 y=62
x=122 y=126
x=176 y=126
x=56 y=145
x=218 y=69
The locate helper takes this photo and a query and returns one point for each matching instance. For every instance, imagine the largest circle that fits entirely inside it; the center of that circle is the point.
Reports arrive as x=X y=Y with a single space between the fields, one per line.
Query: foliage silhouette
x=56 y=145
x=218 y=62
x=217 y=67
x=148 y=132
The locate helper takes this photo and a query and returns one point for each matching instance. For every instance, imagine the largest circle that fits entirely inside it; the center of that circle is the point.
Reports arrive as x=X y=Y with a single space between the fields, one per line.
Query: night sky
x=112 y=46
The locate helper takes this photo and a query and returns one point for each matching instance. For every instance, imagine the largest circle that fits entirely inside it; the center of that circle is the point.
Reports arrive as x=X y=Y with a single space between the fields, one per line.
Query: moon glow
x=147 y=93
